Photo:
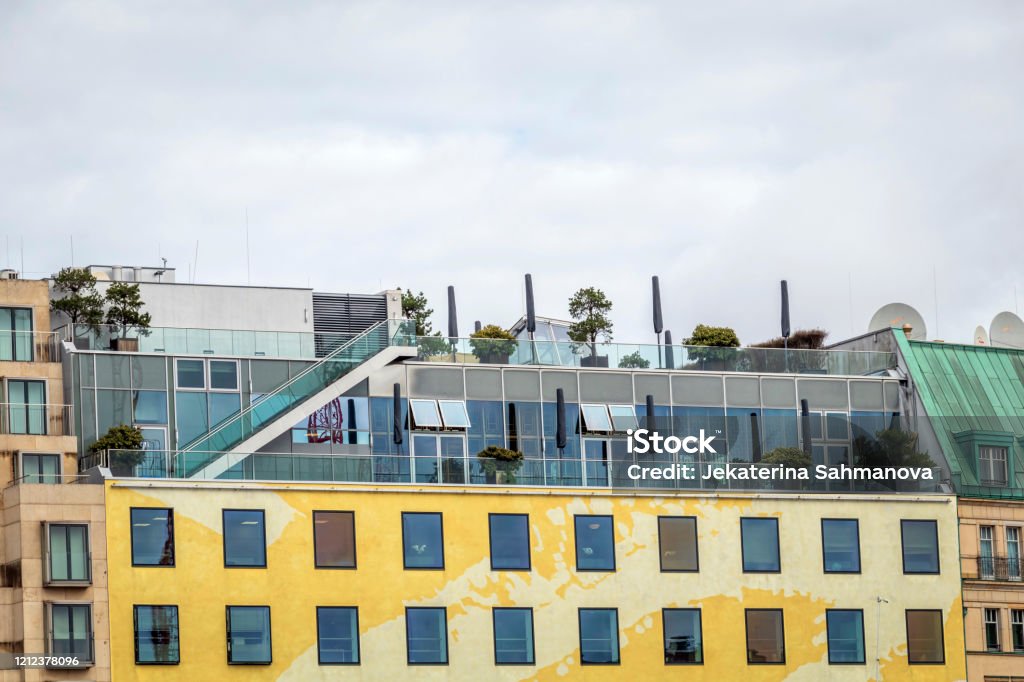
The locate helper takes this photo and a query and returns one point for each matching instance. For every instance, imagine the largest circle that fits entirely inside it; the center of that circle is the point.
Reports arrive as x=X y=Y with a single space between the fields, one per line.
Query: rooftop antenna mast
x=248 y=274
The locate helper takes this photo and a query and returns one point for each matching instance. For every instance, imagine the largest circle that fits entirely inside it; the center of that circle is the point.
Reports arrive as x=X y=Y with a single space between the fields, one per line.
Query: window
x=191 y=374
x=1013 y=552
x=1017 y=629
x=845 y=635
x=69 y=631
x=223 y=375
x=510 y=542
x=766 y=642
x=454 y=415
x=595 y=543
x=623 y=417
x=26 y=407
x=422 y=540
x=426 y=636
x=245 y=541
x=595 y=418
x=677 y=542
x=992 y=629
x=16 y=334
x=334 y=539
x=425 y=414
x=249 y=635
x=599 y=636
x=156 y=635
x=992 y=465
x=337 y=635
x=840 y=545
x=40 y=468
x=513 y=636
x=67 y=553
x=683 y=639
x=924 y=637
x=986 y=560
x=760 y=545
x=152 y=536
x=920 y=546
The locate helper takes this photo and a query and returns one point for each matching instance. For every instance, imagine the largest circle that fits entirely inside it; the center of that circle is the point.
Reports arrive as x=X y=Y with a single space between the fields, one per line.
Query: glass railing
x=28 y=419
x=651 y=356
x=305 y=385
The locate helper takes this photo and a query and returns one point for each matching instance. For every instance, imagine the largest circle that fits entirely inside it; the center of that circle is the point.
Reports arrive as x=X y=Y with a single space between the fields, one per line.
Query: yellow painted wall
x=201 y=587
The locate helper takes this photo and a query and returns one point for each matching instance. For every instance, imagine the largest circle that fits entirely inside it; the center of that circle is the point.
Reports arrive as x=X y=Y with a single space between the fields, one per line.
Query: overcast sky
x=867 y=152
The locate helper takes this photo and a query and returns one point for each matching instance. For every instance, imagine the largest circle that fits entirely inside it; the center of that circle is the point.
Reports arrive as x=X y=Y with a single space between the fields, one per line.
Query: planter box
x=493 y=358
x=125 y=345
x=83 y=343
x=594 y=361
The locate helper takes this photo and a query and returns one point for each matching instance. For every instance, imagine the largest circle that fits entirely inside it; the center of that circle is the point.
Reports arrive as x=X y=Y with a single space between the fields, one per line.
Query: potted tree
x=634 y=361
x=492 y=345
x=589 y=309
x=500 y=464
x=789 y=458
x=713 y=342
x=76 y=297
x=123 y=445
x=124 y=313
x=430 y=343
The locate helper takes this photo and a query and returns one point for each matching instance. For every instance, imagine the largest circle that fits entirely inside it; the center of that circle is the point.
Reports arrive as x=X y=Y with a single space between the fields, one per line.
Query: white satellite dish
x=980 y=336
x=899 y=315
x=1007 y=331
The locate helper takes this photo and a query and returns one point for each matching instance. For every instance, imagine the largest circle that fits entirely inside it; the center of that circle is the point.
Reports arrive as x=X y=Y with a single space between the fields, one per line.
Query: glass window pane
x=249 y=634
x=924 y=637
x=191 y=416
x=148 y=372
x=682 y=636
x=190 y=374
x=78 y=552
x=920 y=546
x=422 y=540
x=244 y=538
x=454 y=414
x=840 y=545
x=678 y=543
x=337 y=634
x=426 y=631
x=223 y=406
x=425 y=414
x=224 y=375
x=595 y=543
x=845 y=636
x=150 y=407
x=152 y=537
x=58 y=553
x=595 y=417
x=334 y=539
x=156 y=634
x=510 y=542
x=113 y=370
x=623 y=417
x=599 y=636
x=765 y=638
x=760 y=539
x=513 y=636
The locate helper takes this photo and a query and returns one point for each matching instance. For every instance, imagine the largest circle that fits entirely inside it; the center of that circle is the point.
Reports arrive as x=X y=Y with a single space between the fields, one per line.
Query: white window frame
x=416 y=423
x=206 y=379
x=48 y=631
x=986 y=464
x=465 y=413
x=209 y=375
x=1020 y=547
x=632 y=415
x=587 y=427
x=989 y=558
x=986 y=622
x=1016 y=621
x=47 y=577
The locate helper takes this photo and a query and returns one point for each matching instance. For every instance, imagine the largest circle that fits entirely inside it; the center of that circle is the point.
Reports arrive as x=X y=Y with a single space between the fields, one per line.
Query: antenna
x=935 y=289
x=248 y=274
x=195 y=263
x=72 y=238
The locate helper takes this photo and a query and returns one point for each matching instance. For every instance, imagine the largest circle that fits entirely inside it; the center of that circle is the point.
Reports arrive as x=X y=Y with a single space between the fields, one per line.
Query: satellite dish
x=1007 y=331
x=980 y=336
x=899 y=315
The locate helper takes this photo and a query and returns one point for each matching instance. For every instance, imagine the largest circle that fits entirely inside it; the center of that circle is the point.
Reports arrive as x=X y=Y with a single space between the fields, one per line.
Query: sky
x=867 y=152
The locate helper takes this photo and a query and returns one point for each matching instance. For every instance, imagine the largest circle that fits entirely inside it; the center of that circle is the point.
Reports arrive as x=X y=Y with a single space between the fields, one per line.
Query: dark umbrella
x=352 y=434
x=650 y=413
x=397 y=435
x=560 y=439
x=785 y=322
x=659 y=323
x=477 y=326
x=755 y=436
x=531 y=313
x=453 y=321
x=805 y=425
x=670 y=356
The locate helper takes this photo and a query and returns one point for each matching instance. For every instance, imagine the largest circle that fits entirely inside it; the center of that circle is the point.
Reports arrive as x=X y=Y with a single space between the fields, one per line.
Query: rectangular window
x=422 y=540
x=513 y=636
x=453 y=414
x=223 y=375
x=69 y=631
x=766 y=641
x=249 y=635
x=510 y=542
x=156 y=635
x=245 y=539
x=337 y=633
x=760 y=545
x=40 y=468
x=924 y=637
x=1017 y=629
x=191 y=374
x=67 y=550
x=26 y=407
x=152 y=536
x=599 y=636
x=595 y=543
x=623 y=417
x=1013 y=552
x=425 y=414
x=334 y=539
x=992 y=629
x=992 y=468
x=845 y=635
x=920 y=546
x=683 y=638
x=16 y=334
x=595 y=418
x=677 y=541
x=986 y=558
x=840 y=545
x=426 y=636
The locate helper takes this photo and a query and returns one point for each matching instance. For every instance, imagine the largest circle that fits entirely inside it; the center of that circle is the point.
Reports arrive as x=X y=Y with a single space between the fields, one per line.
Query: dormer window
x=992 y=465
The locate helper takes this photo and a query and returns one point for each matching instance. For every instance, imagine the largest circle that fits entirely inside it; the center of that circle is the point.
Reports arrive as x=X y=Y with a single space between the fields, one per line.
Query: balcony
x=1002 y=569
x=28 y=346
x=21 y=419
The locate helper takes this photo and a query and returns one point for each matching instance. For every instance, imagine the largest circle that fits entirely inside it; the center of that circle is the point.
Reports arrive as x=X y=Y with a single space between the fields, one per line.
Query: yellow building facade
x=201 y=587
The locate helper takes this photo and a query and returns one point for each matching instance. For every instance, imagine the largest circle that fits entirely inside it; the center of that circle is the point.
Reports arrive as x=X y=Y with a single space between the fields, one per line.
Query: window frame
x=135 y=632
x=618 y=634
x=1016 y=624
x=40 y=453
x=990 y=461
x=447 y=653
x=177 y=385
x=45 y=406
x=490 y=539
x=270 y=633
x=415 y=424
x=824 y=564
x=985 y=622
x=863 y=641
x=224 y=536
x=48 y=631
x=465 y=413
x=778 y=545
x=632 y=415
x=13 y=332
x=405 y=564
x=942 y=636
x=903 y=547
x=208 y=366
x=170 y=525
x=358 y=645
x=696 y=545
x=48 y=579
x=576 y=543
x=700 y=631
x=782 y=622
x=355 y=555
x=586 y=426
x=494 y=634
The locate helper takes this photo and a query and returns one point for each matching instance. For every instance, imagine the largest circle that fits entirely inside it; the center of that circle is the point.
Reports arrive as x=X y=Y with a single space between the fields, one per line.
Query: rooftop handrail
x=37 y=419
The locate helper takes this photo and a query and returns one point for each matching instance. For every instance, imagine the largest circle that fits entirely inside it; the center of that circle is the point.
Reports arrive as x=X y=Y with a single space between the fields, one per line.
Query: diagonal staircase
x=232 y=440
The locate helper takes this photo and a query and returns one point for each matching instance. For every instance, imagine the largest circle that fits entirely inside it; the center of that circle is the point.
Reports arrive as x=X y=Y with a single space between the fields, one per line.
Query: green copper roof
x=971 y=393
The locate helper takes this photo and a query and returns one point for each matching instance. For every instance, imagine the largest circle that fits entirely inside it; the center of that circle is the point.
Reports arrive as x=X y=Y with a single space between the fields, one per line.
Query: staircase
x=232 y=440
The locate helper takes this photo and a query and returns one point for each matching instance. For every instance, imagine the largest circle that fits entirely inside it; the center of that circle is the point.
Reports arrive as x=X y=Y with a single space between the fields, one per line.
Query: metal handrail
x=16 y=419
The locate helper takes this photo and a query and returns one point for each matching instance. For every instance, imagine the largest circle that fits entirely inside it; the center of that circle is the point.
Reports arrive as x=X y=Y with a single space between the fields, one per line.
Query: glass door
x=27 y=406
x=1013 y=552
x=986 y=566
x=155 y=462
x=439 y=458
